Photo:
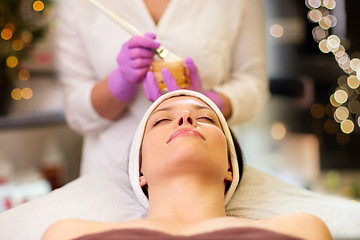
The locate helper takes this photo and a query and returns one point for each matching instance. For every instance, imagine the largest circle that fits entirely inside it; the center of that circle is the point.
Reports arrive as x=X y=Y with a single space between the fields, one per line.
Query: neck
x=186 y=200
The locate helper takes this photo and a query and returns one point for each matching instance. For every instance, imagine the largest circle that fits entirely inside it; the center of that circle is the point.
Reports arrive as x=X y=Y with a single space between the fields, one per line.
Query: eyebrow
x=196 y=106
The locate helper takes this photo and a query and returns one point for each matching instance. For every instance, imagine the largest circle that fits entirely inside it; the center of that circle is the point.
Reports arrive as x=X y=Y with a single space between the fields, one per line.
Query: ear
x=229 y=176
x=142 y=181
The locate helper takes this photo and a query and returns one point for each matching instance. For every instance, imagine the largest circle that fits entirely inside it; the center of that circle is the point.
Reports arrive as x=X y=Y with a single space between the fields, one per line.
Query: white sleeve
x=75 y=73
x=248 y=88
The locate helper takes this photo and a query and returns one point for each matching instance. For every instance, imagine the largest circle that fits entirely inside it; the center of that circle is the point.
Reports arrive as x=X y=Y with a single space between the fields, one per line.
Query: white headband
x=134 y=156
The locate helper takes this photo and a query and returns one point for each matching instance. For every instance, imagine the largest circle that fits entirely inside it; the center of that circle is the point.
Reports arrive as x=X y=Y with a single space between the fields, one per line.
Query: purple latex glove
x=133 y=60
x=153 y=92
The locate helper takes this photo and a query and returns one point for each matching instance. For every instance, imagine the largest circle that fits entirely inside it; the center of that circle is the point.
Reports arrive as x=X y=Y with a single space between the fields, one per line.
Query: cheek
x=151 y=150
x=219 y=146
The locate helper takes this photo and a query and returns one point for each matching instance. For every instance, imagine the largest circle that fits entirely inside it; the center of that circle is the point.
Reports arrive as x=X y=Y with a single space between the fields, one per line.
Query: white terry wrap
x=134 y=156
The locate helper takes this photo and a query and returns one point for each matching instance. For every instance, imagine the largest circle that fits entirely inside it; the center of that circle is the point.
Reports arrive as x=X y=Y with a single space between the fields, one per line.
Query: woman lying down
x=184 y=167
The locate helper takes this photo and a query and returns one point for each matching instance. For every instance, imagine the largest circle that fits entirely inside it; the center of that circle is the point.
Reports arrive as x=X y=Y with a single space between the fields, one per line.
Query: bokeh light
x=26 y=37
x=325 y=23
x=333 y=101
x=342 y=81
x=323 y=46
x=24 y=74
x=354 y=106
x=276 y=30
x=353 y=82
x=27 y=93
x=329 y=4
x=347 y=126
x=355 y=64
x=278 y=131
x=17 y=45
x=340 y=52
x=317 y=110
x=16 y=94
x=333 y=43
x=319 y=33
x=38 y=6
x=332 y=19
x=12 y=61
x=340 y=96
x=341 y=113
x=314 y=15
x=314 y=3
x=10 y=26
x=6 y=34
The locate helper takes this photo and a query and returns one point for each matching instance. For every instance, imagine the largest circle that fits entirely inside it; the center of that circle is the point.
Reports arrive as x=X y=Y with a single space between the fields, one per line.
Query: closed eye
x=160 y=121
x=207 y=119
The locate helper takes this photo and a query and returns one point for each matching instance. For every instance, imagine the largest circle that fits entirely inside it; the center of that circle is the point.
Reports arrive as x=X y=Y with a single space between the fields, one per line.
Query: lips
x=185 y=132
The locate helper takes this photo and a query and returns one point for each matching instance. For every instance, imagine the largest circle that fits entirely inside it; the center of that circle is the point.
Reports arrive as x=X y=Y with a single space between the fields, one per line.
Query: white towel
x=136 y=145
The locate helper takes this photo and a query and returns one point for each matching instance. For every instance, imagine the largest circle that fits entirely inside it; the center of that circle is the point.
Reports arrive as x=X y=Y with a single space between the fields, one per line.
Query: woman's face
x=183 y=136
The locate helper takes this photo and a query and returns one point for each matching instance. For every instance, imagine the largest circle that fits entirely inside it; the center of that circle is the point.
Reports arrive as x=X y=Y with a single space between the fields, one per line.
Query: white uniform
x=225 y=38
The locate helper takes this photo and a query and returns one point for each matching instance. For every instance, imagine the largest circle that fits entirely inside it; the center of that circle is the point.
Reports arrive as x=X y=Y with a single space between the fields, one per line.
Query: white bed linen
x=107 y=196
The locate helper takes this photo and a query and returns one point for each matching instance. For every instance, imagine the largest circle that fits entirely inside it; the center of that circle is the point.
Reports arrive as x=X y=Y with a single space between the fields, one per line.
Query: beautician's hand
x=153 y=92
x=133 y=60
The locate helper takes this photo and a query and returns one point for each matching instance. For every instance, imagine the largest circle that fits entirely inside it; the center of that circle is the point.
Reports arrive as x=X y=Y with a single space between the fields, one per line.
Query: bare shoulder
x=301 y=224
x=72 y=228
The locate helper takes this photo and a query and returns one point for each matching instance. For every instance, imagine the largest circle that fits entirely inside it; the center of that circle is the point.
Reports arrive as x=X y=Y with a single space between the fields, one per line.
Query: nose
x=186 y=118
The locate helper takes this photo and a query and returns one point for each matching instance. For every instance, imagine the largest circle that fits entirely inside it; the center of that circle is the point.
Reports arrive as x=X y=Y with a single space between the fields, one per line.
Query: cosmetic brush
x=162 y=52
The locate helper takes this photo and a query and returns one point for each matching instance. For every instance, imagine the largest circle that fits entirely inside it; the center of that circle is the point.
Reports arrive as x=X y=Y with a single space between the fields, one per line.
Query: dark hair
x=238 y=154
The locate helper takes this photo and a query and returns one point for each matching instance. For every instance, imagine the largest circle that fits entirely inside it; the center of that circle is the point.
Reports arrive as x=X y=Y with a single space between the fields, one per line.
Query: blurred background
x=308 y=133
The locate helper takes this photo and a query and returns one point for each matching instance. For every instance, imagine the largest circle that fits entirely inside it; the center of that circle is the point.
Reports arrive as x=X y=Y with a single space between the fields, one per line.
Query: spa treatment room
x=179 y=119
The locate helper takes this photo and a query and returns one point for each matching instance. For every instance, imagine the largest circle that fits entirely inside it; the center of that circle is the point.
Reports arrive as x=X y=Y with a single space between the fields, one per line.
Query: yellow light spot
x=329 y=4
x=17 y=45
x=354 y=106
x=332 y=19
x=358 y=121
x=323 y=46
x=6 y=34
x=340 y=96
x=38 y=6
x=319 y=33
x=315 y=15
x=12 y=61
x=344 y=62
x=342 y=81
x=276 y=30
x=24 y=74
x=27 y=93
x=314 y=3
x=317 y=110
x=333 y=43
x=347 y=126
x=333 y=101
x=341 y=113
x=16 y=94
x=340 y=52
x=278 y=130
x=325 y=23
x=355 y=64
x=353 y=82
x=26 y=37
x=10 y=26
